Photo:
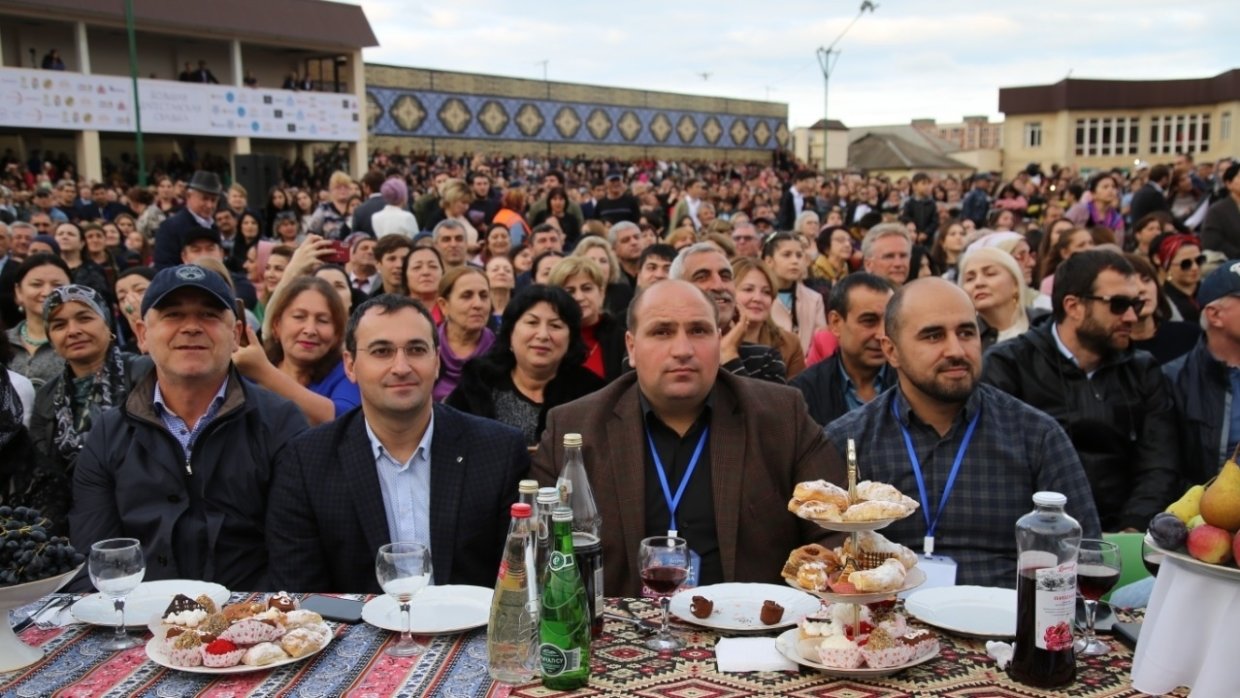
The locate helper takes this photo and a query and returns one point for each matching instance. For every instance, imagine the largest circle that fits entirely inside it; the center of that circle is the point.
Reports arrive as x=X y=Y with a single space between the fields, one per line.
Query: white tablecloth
x=1191 y=634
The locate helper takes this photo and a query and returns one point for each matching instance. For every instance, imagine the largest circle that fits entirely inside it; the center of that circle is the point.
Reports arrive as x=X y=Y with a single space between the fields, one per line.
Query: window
x=1180 y=133
x=1107 y=136
x=1224 y=126
x=1033 y=134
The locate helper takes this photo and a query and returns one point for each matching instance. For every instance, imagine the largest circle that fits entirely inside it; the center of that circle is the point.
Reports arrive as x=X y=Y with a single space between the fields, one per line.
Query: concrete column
x=239 y=146
x=86 y=143
x=83 y=47
x=234 y=57
x=357 y=83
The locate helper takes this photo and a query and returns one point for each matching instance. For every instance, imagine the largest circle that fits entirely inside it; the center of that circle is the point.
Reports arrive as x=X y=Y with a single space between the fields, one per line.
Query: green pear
x=1189 y=504
x=1195 y=522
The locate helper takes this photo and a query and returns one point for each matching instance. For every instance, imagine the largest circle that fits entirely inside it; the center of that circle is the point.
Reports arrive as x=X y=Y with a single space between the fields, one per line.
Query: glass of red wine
x=1097 y=571
x=665 y=567
x=1151 y=558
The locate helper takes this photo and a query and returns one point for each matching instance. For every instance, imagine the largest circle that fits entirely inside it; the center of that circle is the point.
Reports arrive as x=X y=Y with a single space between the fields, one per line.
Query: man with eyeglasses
x=745 y=237
x=401 y=467
x=1113 y=401
x=1205 y=383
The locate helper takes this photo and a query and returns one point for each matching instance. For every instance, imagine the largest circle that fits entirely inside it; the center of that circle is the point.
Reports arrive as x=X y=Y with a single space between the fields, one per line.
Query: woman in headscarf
x=96 y=377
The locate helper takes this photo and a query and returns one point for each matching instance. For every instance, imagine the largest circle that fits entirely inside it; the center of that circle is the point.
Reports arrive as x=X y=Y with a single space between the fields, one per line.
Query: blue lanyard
x=674 y=502
x=932 y=524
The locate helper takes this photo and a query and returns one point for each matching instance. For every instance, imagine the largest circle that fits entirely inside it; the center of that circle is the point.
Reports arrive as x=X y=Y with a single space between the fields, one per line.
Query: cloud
x=907 y=59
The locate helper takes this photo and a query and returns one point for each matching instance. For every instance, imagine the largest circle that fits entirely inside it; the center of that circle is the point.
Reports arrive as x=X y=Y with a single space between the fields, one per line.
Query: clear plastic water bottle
x=512 y=631
x=1047 y=543
x=548 y=498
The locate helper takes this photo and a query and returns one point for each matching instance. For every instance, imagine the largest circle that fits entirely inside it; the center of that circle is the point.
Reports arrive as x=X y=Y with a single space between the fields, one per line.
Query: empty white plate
x=148 y=601
x=966 y=610
x=451 y=608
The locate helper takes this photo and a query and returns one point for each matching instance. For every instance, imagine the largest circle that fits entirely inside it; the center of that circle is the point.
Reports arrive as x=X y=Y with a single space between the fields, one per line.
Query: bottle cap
x=1049 y=499
x=548 y=495
x=527 y=486
x=562 y=513
x=521 y=510
x=571 y=440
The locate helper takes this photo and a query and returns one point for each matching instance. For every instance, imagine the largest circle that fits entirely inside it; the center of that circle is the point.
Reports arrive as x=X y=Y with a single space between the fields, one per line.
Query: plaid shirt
x=1016 y=451
x=182 y=432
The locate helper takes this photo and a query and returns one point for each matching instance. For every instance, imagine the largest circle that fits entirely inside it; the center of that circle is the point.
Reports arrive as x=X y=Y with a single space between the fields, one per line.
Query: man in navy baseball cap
x=187 y=276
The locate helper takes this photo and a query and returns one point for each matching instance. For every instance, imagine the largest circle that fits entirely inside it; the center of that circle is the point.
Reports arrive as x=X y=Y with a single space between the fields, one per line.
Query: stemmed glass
x=1151 y=558
x=1097 y=572
x=665 y=567
x=403 y=570
x=117 y=567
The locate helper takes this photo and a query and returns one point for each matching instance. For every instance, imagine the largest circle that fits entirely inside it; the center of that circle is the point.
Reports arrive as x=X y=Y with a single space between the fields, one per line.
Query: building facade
x=807 y=142
x=83 y=103
x=1102 y=124
x=973 y=133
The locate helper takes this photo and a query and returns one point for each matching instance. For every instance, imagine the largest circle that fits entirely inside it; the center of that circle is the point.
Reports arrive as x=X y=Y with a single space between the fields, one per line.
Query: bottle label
x=559 y=561
x=1055 y=606
x=556 y=660
x=503 y=571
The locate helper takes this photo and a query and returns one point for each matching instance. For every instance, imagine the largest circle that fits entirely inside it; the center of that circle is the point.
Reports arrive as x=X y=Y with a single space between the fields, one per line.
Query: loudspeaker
x=258 y=173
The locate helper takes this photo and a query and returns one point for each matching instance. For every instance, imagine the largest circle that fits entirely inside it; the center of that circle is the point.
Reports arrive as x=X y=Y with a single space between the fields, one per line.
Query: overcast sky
x=907 y=59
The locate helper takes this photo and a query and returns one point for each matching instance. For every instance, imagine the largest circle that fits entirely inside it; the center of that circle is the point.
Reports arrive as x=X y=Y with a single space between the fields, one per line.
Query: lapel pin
x=459 y=459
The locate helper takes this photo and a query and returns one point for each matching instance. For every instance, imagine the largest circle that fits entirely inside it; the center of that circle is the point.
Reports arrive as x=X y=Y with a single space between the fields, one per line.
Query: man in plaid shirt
x=940 y=419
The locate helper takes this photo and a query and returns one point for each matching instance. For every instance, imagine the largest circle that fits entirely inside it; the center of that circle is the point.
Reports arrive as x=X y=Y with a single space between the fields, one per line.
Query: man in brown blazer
x=755 y=441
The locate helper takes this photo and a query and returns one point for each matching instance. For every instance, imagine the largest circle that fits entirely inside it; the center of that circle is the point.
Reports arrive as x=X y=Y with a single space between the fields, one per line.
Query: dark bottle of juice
x=1047 y=542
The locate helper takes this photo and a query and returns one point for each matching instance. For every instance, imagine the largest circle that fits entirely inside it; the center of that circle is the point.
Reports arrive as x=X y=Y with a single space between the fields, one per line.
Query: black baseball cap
x=182 y=276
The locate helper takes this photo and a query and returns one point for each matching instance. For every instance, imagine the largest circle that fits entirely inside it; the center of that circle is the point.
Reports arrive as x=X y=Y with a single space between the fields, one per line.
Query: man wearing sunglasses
x=1113 y=401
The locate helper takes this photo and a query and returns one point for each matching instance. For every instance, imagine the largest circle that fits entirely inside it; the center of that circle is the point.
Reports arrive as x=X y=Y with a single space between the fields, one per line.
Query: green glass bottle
x=564 y=627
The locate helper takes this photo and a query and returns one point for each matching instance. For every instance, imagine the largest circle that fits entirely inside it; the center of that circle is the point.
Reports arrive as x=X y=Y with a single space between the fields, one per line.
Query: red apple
x=1210 y=544
x=1235 y=549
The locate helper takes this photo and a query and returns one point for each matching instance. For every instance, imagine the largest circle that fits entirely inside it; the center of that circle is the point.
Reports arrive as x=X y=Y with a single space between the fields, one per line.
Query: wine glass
x=1097 y=571
x=403 y=570
x=117 y=567
x=665 y=567
x=1151 y=558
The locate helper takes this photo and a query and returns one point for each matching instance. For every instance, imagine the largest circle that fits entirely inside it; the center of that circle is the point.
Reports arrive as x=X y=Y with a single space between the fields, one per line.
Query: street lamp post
x=827 y=58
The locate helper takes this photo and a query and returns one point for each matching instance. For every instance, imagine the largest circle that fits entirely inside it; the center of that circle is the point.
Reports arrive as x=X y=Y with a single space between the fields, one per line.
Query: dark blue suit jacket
x=325 y=511
x=170 y=237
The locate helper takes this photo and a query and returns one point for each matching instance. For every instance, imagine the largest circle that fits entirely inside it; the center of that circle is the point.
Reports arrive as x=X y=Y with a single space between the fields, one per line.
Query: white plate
x=1220 y=571
x=915 y=578
x=441 y=609
x=155 y=651
x=851 y=526
x=150 y=599
x=738 y=606
x=787 y=646
x=966 y=610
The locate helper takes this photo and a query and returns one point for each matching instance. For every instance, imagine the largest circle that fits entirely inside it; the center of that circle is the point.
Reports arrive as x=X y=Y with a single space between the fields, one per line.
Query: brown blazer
x=762 y=443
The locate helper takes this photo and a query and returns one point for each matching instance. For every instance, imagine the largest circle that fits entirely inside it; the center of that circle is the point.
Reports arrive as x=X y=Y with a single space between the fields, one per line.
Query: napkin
x=740 y=654
x=1001 y=652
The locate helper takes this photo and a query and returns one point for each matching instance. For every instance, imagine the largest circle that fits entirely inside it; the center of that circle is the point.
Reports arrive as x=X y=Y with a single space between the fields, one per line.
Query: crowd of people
x=264 y=387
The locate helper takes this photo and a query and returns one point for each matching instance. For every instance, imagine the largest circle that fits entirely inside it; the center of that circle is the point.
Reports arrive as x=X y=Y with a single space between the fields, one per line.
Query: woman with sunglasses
x=1181 y=259
x=1155 y=331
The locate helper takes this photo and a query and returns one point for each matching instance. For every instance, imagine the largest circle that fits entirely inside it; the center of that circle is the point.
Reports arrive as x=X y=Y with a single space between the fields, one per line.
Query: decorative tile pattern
x=686 y=128
x=599 y=124
x=567 y=123
x=399 y=111
x=493 y=118
x=630 y=126
x=455 y=115
x=530 y=120
x=781 y=134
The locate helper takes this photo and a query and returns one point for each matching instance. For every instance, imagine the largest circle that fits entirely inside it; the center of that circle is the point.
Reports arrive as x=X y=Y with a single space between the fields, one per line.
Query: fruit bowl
x=1221 y=571
x=15 y=654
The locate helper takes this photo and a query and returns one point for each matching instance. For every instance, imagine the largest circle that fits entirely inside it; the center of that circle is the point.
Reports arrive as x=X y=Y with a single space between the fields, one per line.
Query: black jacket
x=482 y=375
x=1121 y=421
x=787 y=217
x=610 y=335
x=823 y=387
x=1147 y=200
x=925 y=215
x=1201 y=388
x=365 y=211
x=201 y=519
x=170 y=237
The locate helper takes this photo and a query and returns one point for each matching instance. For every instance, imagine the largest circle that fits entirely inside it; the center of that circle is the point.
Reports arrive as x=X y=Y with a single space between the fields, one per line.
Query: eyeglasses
x=1119 y=304
x=1186 y=264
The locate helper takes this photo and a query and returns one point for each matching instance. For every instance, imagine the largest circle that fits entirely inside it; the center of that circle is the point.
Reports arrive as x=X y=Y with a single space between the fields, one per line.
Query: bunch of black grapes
x=27 y=552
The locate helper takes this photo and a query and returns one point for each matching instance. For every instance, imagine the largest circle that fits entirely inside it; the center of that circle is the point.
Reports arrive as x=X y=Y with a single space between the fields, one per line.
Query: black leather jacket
x=1121 y=420
x=1201 y=388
